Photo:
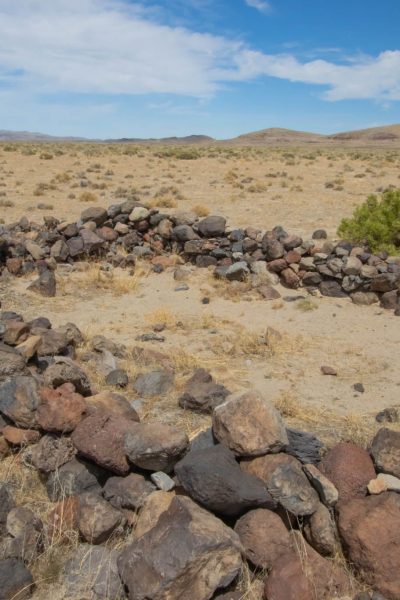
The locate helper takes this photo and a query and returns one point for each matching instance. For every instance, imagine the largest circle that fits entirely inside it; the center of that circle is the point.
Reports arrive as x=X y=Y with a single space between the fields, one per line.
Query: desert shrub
x=87 y=197
x=377 y=221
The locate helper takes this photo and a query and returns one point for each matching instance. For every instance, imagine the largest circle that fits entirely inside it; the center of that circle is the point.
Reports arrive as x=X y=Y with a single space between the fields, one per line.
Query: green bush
x=377 y=221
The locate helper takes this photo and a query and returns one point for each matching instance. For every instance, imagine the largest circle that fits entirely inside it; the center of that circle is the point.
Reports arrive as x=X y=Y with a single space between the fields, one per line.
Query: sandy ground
x=302 y=189
x=228 y=334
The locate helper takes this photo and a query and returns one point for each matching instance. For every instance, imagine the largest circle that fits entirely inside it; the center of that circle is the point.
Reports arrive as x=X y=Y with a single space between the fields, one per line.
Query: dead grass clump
x=162 y=316
x=87 y=197
x=306 y=305
x=201 y=210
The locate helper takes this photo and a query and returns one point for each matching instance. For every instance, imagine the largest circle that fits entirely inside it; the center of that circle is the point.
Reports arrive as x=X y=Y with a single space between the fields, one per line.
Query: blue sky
x=121 y=68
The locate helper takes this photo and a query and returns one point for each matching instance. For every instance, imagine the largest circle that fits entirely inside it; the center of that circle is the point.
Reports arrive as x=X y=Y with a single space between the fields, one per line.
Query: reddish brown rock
x=305 y=575
x=20 y=437
x=370 y=530
x=290 y=279
x=349 y=467
x=4 y=447
x=264 y=537
x=111 y=402
x=100 y=437
x=61 y=409
x=287 y=580
x=264 y=466
x=14 y=265
x=63 y=519
x=153 y=506
x=293 y=257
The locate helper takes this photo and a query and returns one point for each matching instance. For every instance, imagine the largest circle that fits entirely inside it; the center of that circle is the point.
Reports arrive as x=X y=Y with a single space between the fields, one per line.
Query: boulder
x=213 y=478
x=45 y=284
x=111 y=402
x=385 y=451
x=350 y=468
x=16 y=581
x=201 y=393
x=249 y=425
x=19 y=400
x=96 y=214
x=155 y=446
x=154 y=383
x=325 y=488
x=73 y=478
x=51 y=452
x=370 y=530
x=53 y=343
x=66 y=371
x=118 y=378
x=285 y=481
x=92 y=572
x=264 y=537
x=332 y=288
x=101 y=438
x=153 y=506
x=24 y=535
x=20 y=437
x=61 y=409
x=320 y=531
x=189 y=553
x=127 y=492
x=212 y=226
x=97 y=519
x=11 y=361
x=15 y=332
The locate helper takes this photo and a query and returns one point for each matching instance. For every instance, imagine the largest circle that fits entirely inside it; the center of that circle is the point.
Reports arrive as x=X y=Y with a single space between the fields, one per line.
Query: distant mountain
x=385 y=136
x=373 y=134
x=275 y=135
x=189 y=139
x=29 y=136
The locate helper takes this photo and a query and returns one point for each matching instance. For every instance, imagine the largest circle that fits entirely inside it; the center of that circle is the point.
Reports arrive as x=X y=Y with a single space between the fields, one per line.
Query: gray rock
x=94 y=213
x=290 y=487
x=73 y=478
x=11 y=361
x=127 y=492
x=6 y=504
x=65 y=370
x=92 y=574
x=385 y=451
x=118 y=378
x=304 y=446
x=212 y=226
x=162 y=481
x=16 y=582
x=155 y=383
x=45 y=285
x=332 y=289
x=202 y=393
x=97 y=519
x=50 y=453
x=237 y=272
x=320 y=531
x=19 y=399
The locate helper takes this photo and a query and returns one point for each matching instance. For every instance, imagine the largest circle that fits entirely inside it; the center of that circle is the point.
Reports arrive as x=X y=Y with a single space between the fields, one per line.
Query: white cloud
x=261 y=5
x=112 y=47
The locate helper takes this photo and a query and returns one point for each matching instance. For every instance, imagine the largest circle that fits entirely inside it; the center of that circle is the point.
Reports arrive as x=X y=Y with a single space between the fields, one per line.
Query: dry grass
x=118 y=281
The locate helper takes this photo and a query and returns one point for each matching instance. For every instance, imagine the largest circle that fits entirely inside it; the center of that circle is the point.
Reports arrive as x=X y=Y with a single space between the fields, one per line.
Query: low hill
x=373 y=134
x=275 y=135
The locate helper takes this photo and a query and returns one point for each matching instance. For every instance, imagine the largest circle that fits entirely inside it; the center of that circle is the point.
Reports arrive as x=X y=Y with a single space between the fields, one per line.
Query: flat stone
x=155 y=446
x=97 y=519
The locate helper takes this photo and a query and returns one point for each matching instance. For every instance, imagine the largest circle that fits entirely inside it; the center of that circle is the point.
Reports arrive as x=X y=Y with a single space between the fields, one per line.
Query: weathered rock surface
x=155 y=446
x=202 y=393
x=97 y=519
x=349 y=468
x=385 y=450
x=61 y=409
x=249 y=425
x=74 y=477
x=370 y=530
x=101 y=438
x=16 y=582
x=51 y=452
x=153 y=506
x=264 y=537
x=320 y=531
x=68 y=372
x=127 y=492
x=188 y=554
x=92 y=574
x=19 y=400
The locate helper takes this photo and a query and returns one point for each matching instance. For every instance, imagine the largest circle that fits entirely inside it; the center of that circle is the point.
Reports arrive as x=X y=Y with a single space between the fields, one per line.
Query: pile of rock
x=337 y=269
x=185 y=513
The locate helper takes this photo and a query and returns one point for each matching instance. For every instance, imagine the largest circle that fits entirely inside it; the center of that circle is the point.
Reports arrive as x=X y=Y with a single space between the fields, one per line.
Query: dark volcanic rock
x=19 y=400
x=213 y=478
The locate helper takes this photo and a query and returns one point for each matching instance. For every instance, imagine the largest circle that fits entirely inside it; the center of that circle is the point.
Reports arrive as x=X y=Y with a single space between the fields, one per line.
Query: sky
x=156 y=68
